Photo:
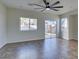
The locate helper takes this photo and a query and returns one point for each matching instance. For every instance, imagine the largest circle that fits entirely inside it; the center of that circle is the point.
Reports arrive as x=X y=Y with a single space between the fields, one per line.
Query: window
x=28 y=24
x=64 y=28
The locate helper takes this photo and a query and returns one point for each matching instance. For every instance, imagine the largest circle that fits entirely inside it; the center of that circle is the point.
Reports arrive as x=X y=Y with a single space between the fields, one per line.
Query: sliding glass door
x=50 y=28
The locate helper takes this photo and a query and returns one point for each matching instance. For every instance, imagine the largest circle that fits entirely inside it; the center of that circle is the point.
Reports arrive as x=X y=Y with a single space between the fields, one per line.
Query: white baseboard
x=2 y=45
x=24 y=40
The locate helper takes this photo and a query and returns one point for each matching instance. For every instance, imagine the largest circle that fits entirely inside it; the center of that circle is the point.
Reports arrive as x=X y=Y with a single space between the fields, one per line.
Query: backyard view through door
x=50 y=28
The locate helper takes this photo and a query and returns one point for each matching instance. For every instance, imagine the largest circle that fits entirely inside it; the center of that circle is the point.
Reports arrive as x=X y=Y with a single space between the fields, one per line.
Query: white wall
x=76 y=26
x=3 y=29
x=14 y=33
x=73 y=27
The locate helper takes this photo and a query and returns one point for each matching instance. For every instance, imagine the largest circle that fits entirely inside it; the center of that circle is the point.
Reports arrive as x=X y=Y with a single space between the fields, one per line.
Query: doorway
x=50 y=28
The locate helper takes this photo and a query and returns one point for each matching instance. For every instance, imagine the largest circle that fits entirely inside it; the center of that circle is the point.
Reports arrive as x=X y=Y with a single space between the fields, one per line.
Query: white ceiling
x=69 y=5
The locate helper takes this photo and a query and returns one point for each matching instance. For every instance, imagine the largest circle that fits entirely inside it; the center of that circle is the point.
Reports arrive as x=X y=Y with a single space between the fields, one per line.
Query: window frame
x=28 y=24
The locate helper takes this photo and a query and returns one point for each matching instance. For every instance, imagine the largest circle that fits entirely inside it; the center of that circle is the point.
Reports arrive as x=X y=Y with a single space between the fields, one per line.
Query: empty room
x=38 y=29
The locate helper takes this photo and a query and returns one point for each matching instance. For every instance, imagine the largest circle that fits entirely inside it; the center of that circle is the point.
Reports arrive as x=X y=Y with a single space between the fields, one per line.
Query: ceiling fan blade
x=55 y=3
x=36 y=5
x=58 y=7
x=38 y=8
x=45 y=2
x=43 y=10
x=54 y=9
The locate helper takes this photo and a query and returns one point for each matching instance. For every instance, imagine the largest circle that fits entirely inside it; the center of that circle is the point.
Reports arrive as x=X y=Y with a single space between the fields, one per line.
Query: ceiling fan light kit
x=47 y=9
x=47 y=6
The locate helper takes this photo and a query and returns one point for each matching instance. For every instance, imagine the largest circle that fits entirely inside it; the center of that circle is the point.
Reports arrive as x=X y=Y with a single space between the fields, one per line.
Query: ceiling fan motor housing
x=47 y=6
x=47 y=3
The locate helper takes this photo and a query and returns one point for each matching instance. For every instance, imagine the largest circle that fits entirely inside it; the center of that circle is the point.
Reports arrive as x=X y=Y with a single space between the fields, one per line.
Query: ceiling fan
x=47 y=6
